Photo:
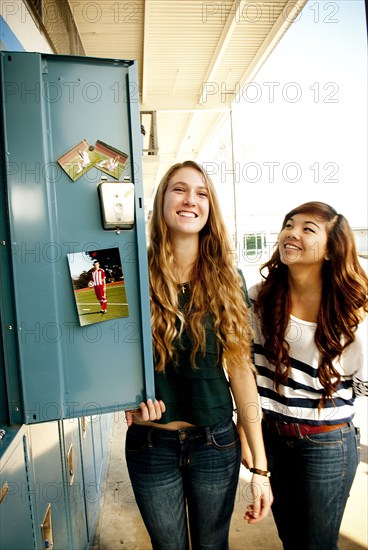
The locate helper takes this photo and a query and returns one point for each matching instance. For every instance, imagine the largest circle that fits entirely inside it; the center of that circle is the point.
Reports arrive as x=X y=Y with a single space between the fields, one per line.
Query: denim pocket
x=224 y=440
x=325 y=439
x=136 y=440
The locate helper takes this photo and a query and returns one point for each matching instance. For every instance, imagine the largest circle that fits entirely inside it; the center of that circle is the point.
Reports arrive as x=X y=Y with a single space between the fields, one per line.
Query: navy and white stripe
x=297 y=400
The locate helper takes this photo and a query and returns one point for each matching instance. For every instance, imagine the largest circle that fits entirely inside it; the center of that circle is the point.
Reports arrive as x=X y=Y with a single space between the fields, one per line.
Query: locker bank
x=67 y=365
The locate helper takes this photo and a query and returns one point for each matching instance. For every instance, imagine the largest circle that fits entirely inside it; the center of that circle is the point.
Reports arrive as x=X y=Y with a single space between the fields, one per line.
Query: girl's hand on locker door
x=150 y=411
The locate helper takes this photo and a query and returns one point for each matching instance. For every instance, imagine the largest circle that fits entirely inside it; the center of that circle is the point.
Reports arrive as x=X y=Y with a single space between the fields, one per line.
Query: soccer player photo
x=98 y=285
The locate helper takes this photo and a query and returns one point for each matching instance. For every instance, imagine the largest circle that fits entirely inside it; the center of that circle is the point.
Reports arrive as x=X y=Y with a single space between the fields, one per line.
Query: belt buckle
x=291 y=430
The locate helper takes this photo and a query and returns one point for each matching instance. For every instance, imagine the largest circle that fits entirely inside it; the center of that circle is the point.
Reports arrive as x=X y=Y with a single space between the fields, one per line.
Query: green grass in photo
x=89 y=307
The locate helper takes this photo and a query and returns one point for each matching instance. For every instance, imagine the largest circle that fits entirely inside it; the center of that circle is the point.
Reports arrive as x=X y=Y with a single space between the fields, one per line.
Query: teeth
x=292 y=246
x=187 y=214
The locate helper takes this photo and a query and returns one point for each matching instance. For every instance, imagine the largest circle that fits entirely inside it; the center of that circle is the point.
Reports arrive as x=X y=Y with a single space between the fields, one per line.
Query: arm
x=247 y=459
x=244 y=389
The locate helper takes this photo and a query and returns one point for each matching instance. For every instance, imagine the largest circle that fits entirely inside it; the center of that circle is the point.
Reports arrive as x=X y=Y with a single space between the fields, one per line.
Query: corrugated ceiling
x=193 y=58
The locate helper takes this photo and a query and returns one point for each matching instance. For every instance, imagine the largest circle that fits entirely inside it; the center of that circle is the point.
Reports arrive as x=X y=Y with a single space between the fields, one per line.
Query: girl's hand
x=262 y=499
x=151 y=411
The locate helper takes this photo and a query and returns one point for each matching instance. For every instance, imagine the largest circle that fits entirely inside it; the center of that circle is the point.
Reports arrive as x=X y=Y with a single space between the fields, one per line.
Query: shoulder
x=359 y=358
x=361 y=333
x=244 y=287
x=240 y=273
x=253 y=291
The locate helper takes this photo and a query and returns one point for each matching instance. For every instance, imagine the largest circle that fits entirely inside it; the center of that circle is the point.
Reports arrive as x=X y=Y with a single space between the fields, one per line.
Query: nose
x=293 y=233
x=190 y=198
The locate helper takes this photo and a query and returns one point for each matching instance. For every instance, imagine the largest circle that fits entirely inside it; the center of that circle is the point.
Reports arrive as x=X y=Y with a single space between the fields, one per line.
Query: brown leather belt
x=294 y=429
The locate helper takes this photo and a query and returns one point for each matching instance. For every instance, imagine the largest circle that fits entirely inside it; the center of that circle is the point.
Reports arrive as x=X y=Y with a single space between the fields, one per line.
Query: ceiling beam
x=225 y=37
x=171 y=103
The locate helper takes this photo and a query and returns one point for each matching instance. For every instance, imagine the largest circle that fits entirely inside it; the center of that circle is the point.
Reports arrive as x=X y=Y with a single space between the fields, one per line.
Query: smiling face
x=186 y=202
x=303 y=240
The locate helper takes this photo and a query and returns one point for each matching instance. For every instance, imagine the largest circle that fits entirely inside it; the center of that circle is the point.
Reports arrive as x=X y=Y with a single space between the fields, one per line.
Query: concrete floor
x=120 y=526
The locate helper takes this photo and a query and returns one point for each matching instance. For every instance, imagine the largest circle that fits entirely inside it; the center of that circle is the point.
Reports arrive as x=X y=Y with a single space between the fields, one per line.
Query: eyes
x=200 y=192
x=306 y=229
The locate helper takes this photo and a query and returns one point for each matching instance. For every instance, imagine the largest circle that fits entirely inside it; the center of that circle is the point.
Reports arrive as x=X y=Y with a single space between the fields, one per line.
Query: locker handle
x=46 y=528
x=4 y=491
x=84 y=427
x=70 y=464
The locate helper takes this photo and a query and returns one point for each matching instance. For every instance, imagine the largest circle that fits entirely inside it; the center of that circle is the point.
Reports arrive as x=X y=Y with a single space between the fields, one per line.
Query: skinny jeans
x=185 y=476
x=311 y=477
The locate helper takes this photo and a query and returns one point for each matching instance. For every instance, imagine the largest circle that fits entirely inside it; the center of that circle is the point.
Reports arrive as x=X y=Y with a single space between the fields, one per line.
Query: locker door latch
x=117 y=204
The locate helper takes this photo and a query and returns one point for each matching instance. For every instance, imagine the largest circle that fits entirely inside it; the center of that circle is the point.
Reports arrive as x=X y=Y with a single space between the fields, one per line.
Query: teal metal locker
x=53 y=368
x=16 y=522
x=90 y=461
x=67 y=370
x=74 y=483
x=48 y=486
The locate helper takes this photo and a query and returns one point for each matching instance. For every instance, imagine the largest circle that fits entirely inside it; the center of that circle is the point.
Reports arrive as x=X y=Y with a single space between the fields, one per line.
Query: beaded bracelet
x=260 y=472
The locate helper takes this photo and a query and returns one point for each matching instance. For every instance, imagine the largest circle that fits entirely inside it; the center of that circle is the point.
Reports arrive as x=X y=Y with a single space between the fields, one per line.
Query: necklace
x=183 y=287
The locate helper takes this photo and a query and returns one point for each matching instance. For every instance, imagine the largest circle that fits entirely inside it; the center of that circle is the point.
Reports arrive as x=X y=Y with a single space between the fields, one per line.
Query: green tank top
x=201 y=395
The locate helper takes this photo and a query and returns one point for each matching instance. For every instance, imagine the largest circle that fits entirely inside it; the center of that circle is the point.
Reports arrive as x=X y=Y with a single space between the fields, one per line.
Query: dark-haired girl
x=310 y=348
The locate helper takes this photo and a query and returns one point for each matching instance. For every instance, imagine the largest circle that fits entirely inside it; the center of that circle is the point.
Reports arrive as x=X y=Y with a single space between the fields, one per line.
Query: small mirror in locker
x=46 y=529
x=117 y=204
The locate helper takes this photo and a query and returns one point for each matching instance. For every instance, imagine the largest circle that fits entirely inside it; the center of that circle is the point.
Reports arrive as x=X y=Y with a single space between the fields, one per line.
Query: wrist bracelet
x=260 y=472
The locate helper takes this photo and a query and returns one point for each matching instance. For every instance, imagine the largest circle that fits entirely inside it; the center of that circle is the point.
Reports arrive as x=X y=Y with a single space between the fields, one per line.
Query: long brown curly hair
x=216 y=287
x=344 y=299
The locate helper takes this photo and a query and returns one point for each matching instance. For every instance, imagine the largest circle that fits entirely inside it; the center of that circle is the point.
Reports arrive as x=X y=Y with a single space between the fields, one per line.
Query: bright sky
x=307 y=111
x=79 y=262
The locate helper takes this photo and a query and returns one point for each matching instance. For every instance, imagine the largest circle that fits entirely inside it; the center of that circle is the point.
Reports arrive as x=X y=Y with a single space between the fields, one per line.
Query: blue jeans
x=311 y=479
x=194 y=469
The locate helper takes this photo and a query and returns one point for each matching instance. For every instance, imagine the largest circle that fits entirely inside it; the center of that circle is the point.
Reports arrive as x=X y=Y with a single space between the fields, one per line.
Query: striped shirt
x=297 y=399
x=98 y=276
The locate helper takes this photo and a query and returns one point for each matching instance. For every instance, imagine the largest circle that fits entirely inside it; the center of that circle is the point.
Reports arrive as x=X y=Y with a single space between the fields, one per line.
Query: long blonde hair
x=216 y=287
